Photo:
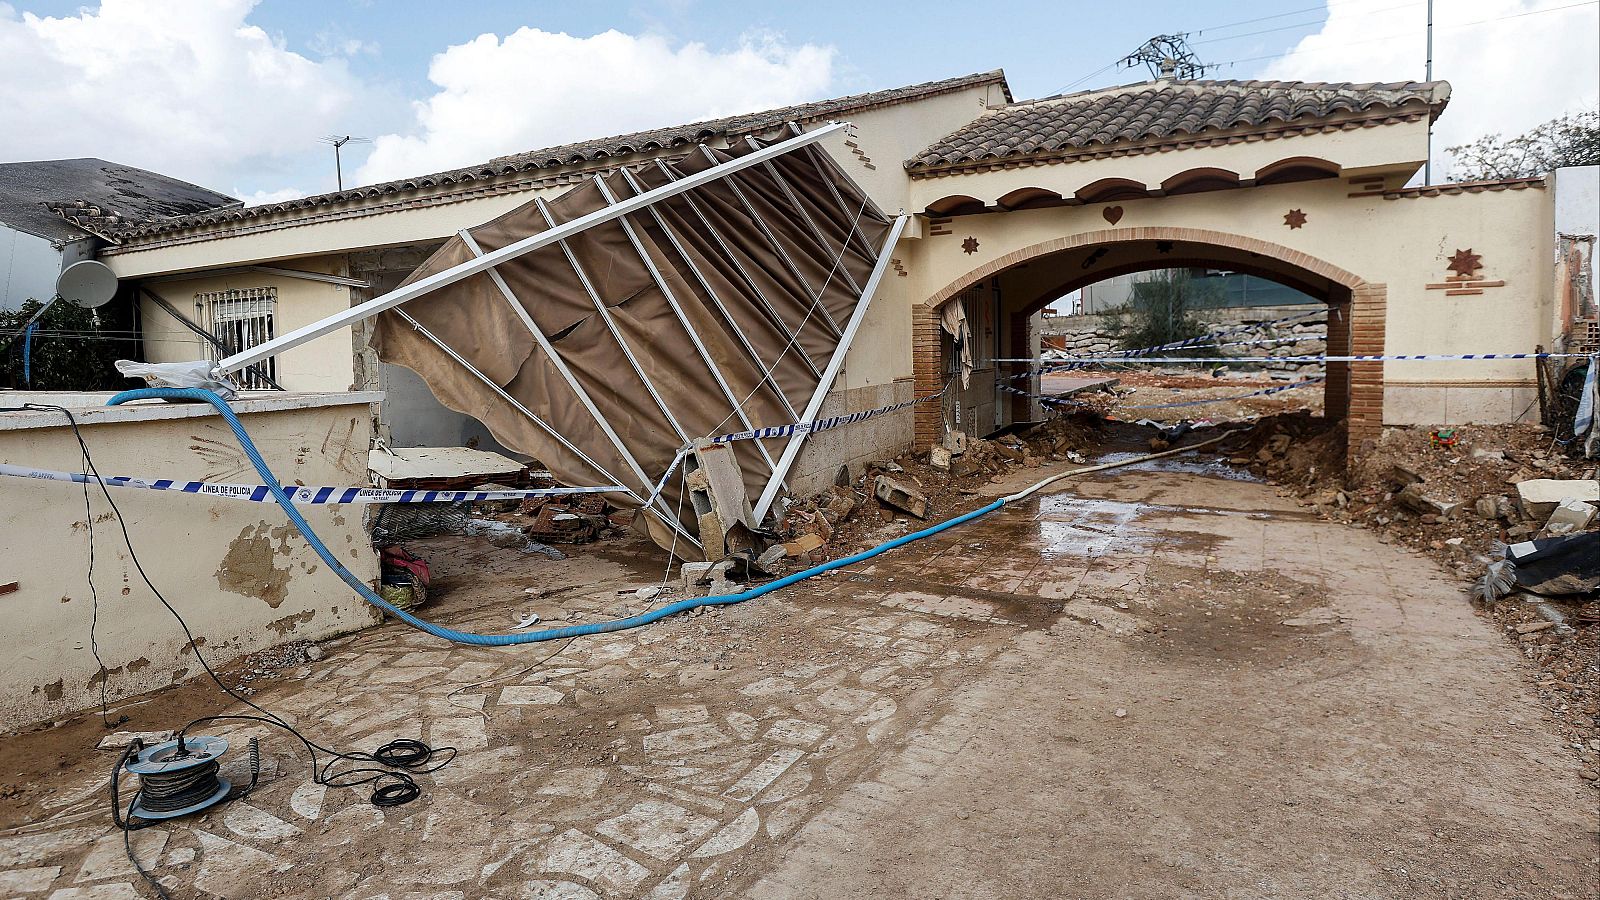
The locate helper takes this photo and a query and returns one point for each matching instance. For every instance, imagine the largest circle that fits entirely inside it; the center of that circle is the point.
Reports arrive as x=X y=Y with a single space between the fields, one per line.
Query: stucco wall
x=237 y=572
x=325 y=364
x=1403 y=243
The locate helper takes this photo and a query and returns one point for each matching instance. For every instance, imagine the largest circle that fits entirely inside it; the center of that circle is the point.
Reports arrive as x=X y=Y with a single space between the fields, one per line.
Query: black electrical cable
x=394 y=786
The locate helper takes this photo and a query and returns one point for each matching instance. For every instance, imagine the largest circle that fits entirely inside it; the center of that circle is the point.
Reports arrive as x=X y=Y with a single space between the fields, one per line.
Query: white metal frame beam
x=705 y=285
x=835 y=362
x=471 y=267
x=577 y=388
x=777 y=247
x=793 y=339
x=611 y=325
x=694 y=337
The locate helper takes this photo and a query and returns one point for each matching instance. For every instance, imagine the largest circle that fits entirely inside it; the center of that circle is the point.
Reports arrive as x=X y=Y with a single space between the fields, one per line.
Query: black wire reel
x=180 y=777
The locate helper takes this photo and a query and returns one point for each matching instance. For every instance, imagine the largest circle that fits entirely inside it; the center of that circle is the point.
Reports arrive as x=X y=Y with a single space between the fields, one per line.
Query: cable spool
x=176 y=780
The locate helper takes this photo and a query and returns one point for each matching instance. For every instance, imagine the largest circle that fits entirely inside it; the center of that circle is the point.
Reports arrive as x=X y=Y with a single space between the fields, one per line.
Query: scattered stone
x=1534 y=627
x=1121 y=713
x=1539 y=497
x=939 y=458
x=897 y=495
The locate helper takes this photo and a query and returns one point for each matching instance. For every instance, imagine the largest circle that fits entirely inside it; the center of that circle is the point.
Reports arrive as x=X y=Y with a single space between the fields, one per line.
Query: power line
x=1320 y=21
x=1392 y=37
x=1231 y=62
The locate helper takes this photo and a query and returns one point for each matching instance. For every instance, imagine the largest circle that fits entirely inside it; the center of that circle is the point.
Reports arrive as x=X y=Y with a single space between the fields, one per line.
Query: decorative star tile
x=1465 y=263
x=1294 y=218
x=969 y=246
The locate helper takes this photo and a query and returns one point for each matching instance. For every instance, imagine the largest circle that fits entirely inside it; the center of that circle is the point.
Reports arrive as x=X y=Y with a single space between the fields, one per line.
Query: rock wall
x=1088 y=335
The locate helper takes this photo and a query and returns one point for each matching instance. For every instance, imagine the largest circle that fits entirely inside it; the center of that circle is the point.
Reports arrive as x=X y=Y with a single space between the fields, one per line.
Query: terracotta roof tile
x=1163 y=111
x=581 y=153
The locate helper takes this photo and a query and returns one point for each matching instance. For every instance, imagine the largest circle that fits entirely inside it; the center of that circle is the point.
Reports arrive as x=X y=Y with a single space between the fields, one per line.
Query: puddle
x=1187 y=463
x=1085 y=527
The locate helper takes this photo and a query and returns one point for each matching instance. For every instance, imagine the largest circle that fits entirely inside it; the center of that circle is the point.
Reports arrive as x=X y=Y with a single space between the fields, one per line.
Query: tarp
x=765 y=266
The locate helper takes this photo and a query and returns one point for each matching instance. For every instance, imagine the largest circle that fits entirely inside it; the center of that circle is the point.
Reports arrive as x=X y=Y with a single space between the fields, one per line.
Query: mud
x=1303 y=712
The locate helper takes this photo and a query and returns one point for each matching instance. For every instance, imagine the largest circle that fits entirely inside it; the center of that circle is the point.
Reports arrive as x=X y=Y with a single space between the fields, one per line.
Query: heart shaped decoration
x=1113 y=214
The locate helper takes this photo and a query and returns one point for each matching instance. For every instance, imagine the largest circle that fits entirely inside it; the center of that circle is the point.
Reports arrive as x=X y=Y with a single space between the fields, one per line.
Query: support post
x=835 y=362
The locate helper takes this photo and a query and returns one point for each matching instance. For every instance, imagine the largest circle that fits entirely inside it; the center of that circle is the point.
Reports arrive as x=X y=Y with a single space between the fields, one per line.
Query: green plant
x=73 y=349
x=1162 y=310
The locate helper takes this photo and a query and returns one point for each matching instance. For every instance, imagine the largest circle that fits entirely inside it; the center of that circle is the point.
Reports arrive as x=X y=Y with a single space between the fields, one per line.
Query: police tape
x=312 y=496
x=817 y=425
x=1321 y=358
x=1209 y=337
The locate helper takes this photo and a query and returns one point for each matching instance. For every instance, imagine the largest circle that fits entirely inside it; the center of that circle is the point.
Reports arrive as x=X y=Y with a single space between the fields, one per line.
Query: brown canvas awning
x=602 y=355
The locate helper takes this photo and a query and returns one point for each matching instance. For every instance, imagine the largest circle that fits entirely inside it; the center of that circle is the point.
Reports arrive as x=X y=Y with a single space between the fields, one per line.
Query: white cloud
x=261 y=198
x=535 y=88
x=187 y=88
x=1506 y=75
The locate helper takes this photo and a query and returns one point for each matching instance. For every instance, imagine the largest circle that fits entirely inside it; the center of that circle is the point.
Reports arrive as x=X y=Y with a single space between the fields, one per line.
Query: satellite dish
x=87 y=284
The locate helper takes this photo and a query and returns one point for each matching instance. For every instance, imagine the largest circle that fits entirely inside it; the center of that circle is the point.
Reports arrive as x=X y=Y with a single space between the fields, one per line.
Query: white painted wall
x=237 y=571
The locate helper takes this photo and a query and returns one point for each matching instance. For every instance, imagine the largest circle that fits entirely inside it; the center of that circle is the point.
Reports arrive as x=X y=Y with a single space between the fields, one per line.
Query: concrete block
x=1570 y=515
x=939 y=458
x=1539 y=497
x=897 y=495
x=716 y=490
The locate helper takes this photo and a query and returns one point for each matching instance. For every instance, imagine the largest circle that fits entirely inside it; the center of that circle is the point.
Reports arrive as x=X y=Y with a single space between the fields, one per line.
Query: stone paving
x=688 y=758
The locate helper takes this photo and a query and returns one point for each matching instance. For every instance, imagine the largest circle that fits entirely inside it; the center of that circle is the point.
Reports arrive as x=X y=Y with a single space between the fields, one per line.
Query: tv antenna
x=1168 y=56
x=338 y=141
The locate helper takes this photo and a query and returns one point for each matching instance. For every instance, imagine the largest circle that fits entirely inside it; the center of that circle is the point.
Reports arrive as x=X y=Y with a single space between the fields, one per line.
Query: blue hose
x=504 y=640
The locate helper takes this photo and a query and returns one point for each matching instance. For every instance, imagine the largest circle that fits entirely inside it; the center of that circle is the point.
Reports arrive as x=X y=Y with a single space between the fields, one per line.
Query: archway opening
x=1003 y=304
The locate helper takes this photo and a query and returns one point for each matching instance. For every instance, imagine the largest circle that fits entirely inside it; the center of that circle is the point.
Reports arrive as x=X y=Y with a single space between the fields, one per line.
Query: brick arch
x=1354 y=391
x=1226 y=239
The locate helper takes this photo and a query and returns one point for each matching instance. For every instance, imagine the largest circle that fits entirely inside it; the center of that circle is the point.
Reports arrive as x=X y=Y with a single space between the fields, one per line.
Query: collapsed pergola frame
x=782 y=339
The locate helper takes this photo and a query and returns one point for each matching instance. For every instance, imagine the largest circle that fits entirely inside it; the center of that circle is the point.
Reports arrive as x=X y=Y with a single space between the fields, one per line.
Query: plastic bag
x=195 y=374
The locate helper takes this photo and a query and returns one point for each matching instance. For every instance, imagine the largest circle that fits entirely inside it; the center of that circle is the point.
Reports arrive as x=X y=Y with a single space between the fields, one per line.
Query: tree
x=71 y=350
x=1162 y=311
x=1571 y=140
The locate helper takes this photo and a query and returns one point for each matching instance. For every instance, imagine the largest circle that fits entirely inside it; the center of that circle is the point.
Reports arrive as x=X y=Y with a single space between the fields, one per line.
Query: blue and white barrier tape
x=1413 y=357
x=311 y=496
x=773 y=431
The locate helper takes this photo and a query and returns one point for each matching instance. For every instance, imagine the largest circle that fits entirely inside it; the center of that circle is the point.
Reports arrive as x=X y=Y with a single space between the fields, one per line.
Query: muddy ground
x=1166 y=680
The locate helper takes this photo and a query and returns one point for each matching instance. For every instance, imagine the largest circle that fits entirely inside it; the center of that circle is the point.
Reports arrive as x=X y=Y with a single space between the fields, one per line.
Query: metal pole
x=793 y=339
x=705 y=285
x=561 y=366
x=471 y=267
x=611 y=326
x=835 y=362
x=1427 y=165
x=777 y=246
x=672 y=301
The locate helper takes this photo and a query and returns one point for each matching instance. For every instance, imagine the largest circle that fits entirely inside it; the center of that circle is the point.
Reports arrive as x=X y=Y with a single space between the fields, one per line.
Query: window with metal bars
x=241 y=319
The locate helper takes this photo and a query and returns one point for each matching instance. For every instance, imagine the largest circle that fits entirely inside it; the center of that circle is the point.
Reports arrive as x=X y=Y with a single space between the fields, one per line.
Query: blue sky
x=234 y=93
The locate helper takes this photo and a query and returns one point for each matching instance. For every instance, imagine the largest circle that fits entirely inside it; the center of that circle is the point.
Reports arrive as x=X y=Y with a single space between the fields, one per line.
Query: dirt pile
x=849 y=518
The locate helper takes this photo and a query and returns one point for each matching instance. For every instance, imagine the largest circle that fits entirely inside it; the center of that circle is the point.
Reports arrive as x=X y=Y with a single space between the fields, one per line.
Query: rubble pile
x=889 y=498
x=1457 y=494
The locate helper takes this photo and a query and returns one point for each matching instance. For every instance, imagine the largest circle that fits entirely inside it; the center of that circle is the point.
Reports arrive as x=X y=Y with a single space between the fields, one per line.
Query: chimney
x=1169 y=68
